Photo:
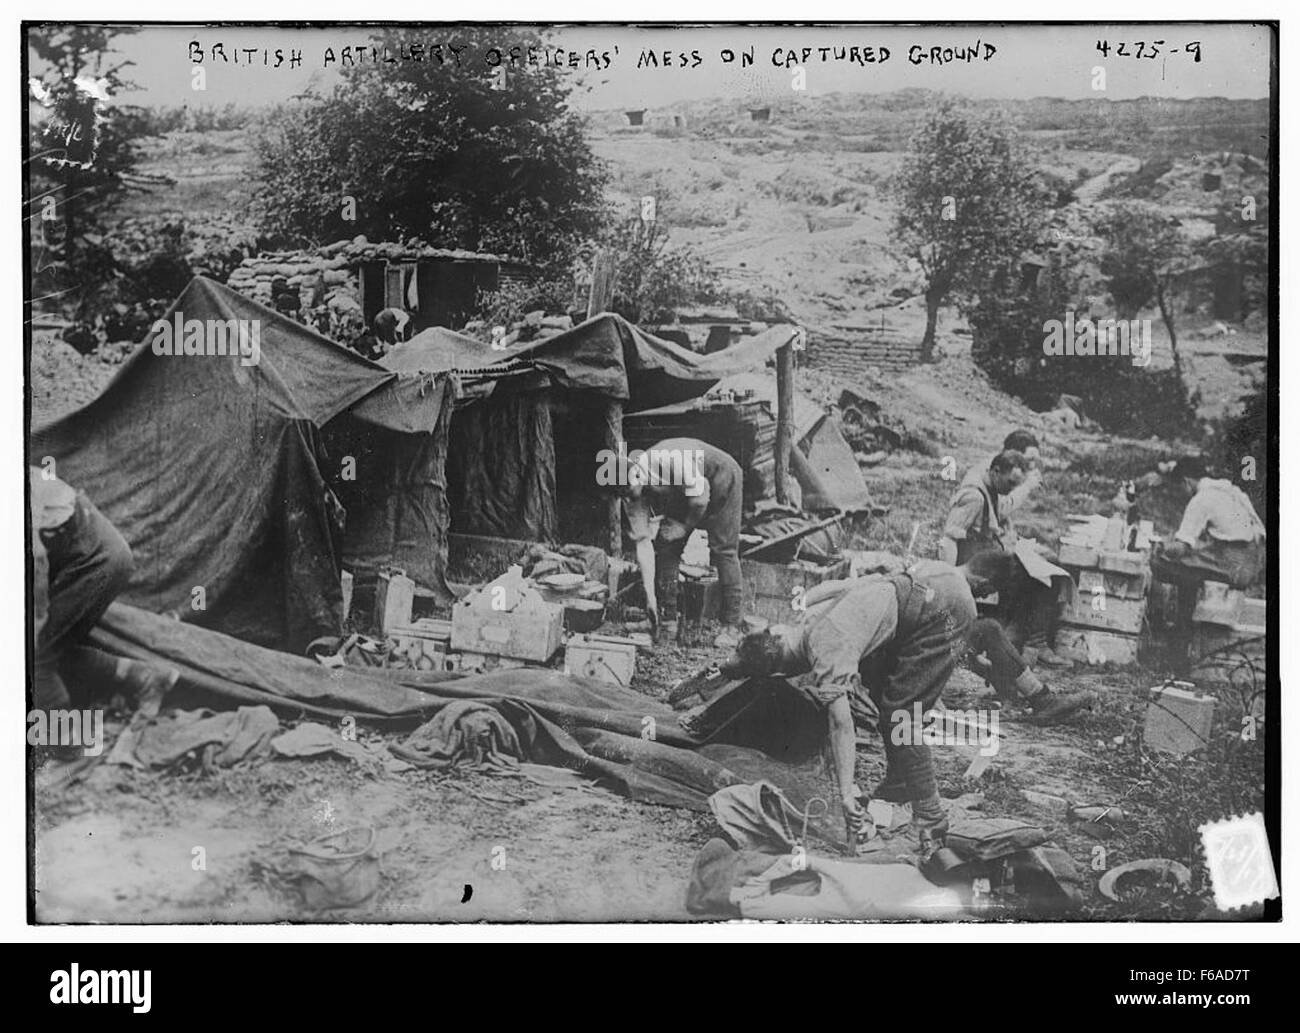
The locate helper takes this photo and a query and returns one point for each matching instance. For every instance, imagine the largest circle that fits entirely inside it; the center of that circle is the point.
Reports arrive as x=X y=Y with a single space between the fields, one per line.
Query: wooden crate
x=769 y=588
x=482 y=663
x=1253 y=612
x=527 y=633
x=1096 y=646
x=600 y=658
x=424 y=644
x=1124 y=615
x=1124 y=562
x=1115 y=585
x=1216 y=603
x=1077 y=554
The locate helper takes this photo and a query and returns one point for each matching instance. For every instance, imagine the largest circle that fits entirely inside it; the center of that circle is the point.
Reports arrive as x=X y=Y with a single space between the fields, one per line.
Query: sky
x=1013 y=61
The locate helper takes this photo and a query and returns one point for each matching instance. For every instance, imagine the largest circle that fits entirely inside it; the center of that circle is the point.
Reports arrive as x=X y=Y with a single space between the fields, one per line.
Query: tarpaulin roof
x=747 y=354
x=437 y=348
x=609 y=355
x=211 y=468
x=605 y=354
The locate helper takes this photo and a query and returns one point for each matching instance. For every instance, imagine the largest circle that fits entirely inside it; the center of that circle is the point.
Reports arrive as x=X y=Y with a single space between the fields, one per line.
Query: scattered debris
x=1151 y=876
x=337 y=870
x=1047 y=800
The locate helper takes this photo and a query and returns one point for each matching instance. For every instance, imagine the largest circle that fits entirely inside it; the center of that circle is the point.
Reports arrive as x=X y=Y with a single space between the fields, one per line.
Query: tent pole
x=784 y=407
x=613 y=440
x=604 y=275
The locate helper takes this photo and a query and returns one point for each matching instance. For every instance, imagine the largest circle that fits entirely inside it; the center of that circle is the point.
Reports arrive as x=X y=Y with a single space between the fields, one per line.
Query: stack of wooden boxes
x=1102 y=620
x=1228 y=635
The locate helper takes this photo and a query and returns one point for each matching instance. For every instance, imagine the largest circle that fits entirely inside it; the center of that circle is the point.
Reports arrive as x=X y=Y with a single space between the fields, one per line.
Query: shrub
x=1007 y=343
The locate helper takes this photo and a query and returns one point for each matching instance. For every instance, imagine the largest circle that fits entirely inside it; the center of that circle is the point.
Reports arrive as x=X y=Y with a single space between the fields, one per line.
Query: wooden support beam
x=784 y=419
x=613 y=441
x=604 y=275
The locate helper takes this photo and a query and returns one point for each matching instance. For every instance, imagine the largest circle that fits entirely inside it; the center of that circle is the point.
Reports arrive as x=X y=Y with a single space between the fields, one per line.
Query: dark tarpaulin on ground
x=213 y=471
x=600 y=730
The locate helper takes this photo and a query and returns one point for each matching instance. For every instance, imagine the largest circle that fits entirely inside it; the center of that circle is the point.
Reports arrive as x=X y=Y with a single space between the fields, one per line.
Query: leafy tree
x=458 y=154
x=1144 y=256
x=83 y=153
x=1008 y=322
x=968 y=204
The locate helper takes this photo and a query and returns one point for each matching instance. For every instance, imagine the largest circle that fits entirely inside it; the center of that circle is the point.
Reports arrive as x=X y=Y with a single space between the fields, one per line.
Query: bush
x=1007 y=343
x=515 y=300
x=656 y=277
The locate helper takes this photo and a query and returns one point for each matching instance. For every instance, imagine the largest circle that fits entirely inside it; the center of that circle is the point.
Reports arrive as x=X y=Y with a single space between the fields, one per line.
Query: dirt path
x=1092 y=188
x=127 y=847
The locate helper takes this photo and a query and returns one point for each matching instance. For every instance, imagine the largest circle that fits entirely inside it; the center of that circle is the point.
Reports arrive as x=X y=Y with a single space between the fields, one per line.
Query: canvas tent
x=522 y=458
x=222 y=476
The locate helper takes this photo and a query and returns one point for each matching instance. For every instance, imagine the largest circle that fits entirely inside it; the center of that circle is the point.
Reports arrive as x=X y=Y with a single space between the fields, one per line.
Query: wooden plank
x=789 y=536
x=784 y=420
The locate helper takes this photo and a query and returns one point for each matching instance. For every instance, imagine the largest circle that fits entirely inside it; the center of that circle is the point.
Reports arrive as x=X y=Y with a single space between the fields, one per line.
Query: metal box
x=594 y=656
x=1179 y=720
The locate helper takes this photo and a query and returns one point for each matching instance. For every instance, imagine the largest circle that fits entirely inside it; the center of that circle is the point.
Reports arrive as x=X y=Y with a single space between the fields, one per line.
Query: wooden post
x=613 y=439
x=604 y=273
x=784 y=419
